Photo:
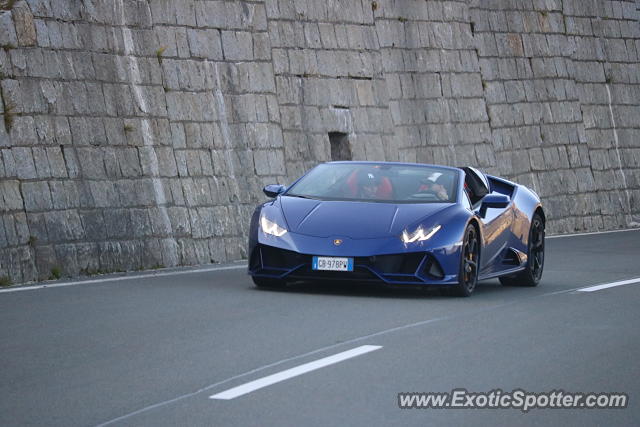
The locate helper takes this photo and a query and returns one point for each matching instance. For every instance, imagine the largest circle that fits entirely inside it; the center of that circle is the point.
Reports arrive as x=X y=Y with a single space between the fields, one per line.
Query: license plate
x=332 y=263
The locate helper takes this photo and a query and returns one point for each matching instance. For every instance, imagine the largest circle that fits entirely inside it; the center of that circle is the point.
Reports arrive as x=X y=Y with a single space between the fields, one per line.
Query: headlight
x=419 y=235
x=269 y=227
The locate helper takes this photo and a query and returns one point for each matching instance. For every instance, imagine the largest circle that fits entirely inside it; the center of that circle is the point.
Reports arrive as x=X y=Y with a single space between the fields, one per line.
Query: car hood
x=357 y=220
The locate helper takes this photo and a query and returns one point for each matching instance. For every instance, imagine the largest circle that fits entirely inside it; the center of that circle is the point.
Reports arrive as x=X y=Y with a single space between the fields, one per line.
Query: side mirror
x=499 y=201
x=272 y=190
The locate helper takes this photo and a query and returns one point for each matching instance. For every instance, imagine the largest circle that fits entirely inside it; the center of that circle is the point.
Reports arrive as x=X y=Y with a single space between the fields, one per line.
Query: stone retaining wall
x=137 y=134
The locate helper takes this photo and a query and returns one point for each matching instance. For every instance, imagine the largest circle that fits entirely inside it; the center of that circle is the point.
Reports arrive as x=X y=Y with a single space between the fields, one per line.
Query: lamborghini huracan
x=398 y=224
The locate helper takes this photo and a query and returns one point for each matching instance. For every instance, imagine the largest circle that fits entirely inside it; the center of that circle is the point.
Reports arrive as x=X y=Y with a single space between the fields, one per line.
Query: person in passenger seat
x=371 y=185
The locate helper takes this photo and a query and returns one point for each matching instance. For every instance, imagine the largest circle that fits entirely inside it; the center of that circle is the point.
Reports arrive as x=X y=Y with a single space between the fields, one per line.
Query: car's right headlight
x=419 y=235
x=270 y=227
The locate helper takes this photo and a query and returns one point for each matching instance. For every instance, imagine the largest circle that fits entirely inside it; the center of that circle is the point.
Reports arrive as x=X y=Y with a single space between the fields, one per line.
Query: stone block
x=237 y=45
x=37 y=229
x=71 y=161
x=64 y=225
x=37 y=196
x=11 y=195
x=66 y=256
x=24 y=166
x=256 y=77
x=65 y=194
x=191 y=106
x=104 y=194
x=8 y=36
x=118 y=223
x=23 y=131
x=166 y=162
x=205 y=44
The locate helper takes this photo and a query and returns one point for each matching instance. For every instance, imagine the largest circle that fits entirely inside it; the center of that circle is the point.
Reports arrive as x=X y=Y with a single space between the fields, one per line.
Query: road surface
x=151 y=350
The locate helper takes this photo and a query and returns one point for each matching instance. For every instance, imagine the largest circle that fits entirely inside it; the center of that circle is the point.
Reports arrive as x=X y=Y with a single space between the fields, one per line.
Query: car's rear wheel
x=469 y=262
x=267 y=282
x=532 y=273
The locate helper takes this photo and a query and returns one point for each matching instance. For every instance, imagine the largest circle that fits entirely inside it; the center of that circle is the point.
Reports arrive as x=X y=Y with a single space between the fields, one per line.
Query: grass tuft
x=5 y=281
x=160 y=52
x=56 y=273
x=7 y=4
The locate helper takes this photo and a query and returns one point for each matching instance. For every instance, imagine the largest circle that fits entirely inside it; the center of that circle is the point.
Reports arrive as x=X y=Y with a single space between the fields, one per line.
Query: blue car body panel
x=369 y=232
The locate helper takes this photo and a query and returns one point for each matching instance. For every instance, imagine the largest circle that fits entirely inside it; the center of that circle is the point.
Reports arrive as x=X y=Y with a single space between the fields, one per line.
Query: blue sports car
x=398 y=224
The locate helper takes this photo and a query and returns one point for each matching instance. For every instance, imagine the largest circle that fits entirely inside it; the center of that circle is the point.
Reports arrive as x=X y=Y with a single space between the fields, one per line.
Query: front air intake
x=433 y=269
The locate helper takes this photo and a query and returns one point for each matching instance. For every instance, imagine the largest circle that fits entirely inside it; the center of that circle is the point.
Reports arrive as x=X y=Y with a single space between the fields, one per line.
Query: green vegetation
x=5 y=281
x=56 y=273
x=129 y=128
x=160 y=52
x=7 y=4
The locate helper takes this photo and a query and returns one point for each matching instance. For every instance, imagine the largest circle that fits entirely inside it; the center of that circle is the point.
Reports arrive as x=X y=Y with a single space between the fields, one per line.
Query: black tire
x=532 y=273
x=469 y=262
x=267 y=282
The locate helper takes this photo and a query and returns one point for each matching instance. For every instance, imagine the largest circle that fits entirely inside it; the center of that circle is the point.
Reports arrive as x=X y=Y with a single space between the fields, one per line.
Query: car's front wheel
x=469 y=262
x=531 y=275
x=267 y=282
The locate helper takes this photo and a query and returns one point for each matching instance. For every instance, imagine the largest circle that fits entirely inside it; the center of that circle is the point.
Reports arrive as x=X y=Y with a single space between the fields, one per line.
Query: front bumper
x=408 y=268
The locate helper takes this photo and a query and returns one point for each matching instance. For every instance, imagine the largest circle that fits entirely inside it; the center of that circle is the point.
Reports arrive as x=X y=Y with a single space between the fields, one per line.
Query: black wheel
x=267 y=282
x=532 y=273
x=469 y=261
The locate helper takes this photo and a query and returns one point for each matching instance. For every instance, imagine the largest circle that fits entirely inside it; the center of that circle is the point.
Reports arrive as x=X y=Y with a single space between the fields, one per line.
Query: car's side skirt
x=501 y=273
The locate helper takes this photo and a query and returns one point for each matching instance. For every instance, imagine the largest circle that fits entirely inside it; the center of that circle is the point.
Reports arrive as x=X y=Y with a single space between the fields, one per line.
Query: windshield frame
x=453 y=197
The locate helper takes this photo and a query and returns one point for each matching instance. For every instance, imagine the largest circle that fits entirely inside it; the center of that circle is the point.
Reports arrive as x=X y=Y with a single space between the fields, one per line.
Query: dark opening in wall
x=340 y=149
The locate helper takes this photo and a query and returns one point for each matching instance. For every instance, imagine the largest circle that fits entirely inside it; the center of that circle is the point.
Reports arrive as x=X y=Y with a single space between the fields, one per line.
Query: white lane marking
x=557 y=236
x=609 y=285
x=246 y=388
x=125 y=277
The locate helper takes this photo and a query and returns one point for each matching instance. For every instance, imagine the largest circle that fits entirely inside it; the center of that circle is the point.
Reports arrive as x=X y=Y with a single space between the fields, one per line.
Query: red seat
x=385 y=189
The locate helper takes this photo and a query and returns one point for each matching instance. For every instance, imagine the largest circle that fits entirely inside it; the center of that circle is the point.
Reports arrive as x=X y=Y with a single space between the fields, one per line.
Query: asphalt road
x=151 y=351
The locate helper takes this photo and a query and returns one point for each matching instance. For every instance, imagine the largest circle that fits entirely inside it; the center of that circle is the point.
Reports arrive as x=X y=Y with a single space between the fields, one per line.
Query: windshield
x=370 y=182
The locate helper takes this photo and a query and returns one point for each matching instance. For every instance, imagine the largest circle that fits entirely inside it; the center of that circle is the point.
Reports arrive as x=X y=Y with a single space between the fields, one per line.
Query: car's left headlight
x=419 y=234
x=270 y=227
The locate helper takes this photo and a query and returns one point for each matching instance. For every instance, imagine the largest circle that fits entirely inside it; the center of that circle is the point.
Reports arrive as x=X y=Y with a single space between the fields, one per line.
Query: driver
x=440 y=187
